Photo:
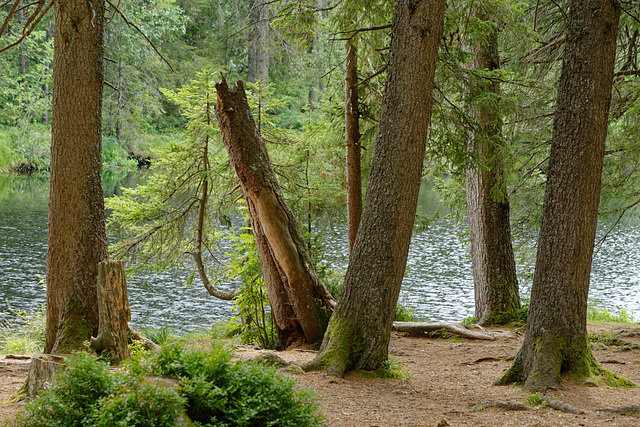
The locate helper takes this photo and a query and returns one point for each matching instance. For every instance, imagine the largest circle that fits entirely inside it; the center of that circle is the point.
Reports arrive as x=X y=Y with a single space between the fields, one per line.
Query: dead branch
x=630 y=409
x=419 y=328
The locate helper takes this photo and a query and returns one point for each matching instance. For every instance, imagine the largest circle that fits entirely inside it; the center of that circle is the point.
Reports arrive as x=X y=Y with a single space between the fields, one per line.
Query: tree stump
x=43 y=369
x=113 y=308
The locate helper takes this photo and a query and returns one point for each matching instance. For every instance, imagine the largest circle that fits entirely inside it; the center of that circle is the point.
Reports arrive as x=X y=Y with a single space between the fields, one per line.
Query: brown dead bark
x=113 y=307
x=300 y=303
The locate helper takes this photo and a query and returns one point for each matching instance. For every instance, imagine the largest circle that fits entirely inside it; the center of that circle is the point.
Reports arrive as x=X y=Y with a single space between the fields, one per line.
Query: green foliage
x=534 y=399
x=220 y=393
x=23 y=332
x=160 y=336
x=254 y=319
x=599 y=313
x=87 y=394
x=139 y=404
x=471 y=320
x=404 y=313
x=392 y=369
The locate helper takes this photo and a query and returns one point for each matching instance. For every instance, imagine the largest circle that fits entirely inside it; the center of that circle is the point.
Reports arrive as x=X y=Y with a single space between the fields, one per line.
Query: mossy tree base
x=549 y=362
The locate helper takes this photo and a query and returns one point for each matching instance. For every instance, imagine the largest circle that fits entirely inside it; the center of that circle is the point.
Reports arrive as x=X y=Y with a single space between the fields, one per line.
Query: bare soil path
x=448 y=379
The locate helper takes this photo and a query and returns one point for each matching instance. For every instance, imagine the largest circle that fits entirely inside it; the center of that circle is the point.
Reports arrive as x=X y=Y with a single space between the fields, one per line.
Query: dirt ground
x=449 y=380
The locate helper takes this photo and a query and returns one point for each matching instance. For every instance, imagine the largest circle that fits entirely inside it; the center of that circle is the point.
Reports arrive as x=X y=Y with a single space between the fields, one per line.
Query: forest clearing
x=449 y=379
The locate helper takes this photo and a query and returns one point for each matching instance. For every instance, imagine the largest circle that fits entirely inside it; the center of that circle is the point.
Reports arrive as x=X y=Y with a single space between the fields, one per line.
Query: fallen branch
x=419 y=328
x=501 y=405
x=562 y=406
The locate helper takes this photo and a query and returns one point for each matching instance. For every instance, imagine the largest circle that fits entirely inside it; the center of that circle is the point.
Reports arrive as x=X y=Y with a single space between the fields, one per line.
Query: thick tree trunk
x=114 y=312
x=258 y=55
x=77 y=238
x=352 y=134
x=556 y=339
x=300 y=303
x=494 y=269
x=360 y=328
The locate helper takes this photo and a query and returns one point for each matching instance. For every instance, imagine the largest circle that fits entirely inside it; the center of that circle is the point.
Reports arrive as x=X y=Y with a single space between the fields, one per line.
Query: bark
x=494 y=269
x=555 y=343
x=360 y=328
x=258 y=55
x=113 y=307
x=300 y=303
x=42 y=372
x=352 y=134
x=77 y=239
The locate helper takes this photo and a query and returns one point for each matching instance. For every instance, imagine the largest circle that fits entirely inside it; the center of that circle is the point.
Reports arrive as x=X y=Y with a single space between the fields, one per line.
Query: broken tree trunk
x=113 y=308
x=300 y=303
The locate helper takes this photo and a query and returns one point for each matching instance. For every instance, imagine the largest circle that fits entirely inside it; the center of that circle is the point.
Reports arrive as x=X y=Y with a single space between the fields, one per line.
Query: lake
x=438 y=284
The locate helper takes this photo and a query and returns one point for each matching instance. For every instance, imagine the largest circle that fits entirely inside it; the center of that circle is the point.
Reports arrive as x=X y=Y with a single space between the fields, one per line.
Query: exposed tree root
x=625 y=410
x=146 y=342
x=456 y=328
x=561 y=406
x=509 y=406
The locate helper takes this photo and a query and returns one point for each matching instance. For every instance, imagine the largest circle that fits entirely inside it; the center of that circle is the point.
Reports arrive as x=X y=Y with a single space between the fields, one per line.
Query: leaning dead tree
x=300 y=303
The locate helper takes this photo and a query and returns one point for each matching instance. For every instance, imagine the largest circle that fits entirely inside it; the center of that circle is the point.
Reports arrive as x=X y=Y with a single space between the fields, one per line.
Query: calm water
x=438 y=284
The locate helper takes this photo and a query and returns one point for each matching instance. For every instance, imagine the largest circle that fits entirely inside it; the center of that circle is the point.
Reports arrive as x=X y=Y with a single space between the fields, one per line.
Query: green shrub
x=143 y=405
x=404 y=313
x=240 y=394
x=73 y=396
x=87 y=394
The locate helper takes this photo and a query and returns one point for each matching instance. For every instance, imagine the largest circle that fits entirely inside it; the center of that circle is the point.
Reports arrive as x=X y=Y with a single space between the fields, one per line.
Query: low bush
x=220 y=393
x=87 y=394
x=212 y=391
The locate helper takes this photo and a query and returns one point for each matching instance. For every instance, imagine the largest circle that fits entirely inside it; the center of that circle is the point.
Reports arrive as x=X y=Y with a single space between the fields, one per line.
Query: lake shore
x=449 y=380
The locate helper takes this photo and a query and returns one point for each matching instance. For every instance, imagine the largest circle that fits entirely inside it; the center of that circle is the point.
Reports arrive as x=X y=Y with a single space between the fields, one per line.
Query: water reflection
x=438 y=284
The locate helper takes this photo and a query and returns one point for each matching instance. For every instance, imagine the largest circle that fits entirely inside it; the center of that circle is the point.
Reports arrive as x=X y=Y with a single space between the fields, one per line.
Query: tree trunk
x=556 y=339
x=113 y=307
x=360 y=328
x=352 y=134
x=494 y=269
x=300 y=303
x=258 y=55
x=77 y=239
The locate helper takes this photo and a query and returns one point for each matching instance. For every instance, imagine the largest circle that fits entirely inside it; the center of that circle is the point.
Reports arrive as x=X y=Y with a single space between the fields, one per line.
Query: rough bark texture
x=494 y=269
x=258 y=55
x=77 y=238
x=114 y=312
x=360 y=328
x=556 y=339
x=300 y=303
x=352 y=139
x=42 y=371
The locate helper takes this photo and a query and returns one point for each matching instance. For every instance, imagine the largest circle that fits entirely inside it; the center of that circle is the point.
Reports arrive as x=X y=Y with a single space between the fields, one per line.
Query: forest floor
x=450 y=379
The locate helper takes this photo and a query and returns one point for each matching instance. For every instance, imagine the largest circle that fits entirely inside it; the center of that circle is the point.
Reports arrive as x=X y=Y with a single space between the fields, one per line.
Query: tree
x=300 y=304
x=360 y=327
x=258 y=56
x=352 y=139
x=556 y=343
x=494 y=268
x=77 y=239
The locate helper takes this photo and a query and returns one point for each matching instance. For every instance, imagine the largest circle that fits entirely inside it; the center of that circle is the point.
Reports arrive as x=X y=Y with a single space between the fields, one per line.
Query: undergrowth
x=211 y=391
